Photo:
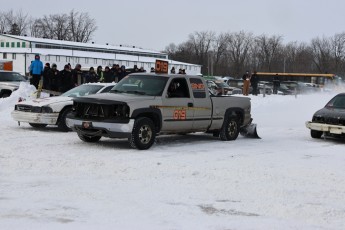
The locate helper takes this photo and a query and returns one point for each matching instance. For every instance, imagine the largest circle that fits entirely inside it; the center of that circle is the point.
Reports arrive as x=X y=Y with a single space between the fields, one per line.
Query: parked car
x=238 y=83
x=9 y=82
x=53 y=110
x=218 y=86
x=329 y=120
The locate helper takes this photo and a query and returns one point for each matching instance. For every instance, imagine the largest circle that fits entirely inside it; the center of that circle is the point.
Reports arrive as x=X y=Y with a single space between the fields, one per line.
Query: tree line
x=73 y=26
x=232 y=53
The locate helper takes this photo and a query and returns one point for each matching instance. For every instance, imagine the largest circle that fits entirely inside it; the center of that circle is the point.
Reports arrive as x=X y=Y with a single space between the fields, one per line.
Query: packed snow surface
x=286 y=180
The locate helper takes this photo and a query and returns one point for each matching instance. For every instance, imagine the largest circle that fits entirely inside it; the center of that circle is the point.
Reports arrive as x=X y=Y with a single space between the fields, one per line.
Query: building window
x=95 y=61
x=13 y=44
x=18 y=44
x=4 y=56
x=127 y=64
x=86 y=61
x=57 y=59
x=104 y=62
x=76 y=60
x=47 y=58
x=23 y=44
x=2 y=44
x=14 y=56
x=7 y=44
x=68 y=59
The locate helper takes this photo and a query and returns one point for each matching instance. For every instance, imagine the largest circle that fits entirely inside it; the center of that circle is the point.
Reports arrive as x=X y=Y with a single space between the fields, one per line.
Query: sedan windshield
x=11 y=76
x=337 y=102
x=82 y=90
x=141 y=85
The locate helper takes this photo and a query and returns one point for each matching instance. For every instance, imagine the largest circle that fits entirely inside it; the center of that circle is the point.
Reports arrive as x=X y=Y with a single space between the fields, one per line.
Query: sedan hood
x=330 y=112
x=11 y=84
x=45 y=101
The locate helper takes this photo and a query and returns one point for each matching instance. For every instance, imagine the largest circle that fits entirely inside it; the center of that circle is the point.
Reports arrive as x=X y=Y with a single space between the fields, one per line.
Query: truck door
x=202 y=104
x=177 y=101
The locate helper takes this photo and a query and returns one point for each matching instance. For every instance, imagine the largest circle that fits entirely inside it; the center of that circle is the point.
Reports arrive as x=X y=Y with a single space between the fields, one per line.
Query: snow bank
x=25 y=90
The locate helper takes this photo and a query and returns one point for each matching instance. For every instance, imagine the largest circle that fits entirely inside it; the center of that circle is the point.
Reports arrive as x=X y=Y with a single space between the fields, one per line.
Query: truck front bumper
x=107 y=129
x=37 y=118
x=334 y=129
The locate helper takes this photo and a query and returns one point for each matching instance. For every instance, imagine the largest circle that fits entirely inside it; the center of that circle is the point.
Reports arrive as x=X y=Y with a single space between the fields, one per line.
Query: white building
x=22 y=50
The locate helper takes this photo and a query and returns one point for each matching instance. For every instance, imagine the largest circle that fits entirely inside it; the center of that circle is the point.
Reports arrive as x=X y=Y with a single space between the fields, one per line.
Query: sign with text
x=161 y=66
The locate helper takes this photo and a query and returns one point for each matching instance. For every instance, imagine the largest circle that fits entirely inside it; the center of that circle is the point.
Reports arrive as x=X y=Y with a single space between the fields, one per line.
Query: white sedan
x=53 y=110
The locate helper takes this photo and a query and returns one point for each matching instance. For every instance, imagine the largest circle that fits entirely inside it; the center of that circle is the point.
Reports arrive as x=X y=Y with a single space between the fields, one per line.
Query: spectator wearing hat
x=54 y=78
x=100 y=73
x=36 y=70
x=91 y=76
x=172 y=71
x=108 y=75
x=45 y=76
x=77 y=77
x=246 y=83
x=66 y=79
x=122 y=73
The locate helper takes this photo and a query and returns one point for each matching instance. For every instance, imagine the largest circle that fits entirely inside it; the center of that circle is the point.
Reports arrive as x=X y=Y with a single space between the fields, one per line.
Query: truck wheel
x=62 y=120
x=88 y=138
x=230 y=129
x=315 y=134
x=39 y=126
x=143 y=134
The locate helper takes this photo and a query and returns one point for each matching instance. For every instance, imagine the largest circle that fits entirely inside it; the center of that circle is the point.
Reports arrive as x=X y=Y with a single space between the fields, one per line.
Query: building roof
x=81 y=44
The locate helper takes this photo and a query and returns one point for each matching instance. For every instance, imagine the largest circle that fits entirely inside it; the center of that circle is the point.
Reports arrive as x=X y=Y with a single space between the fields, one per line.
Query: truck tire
x=315 y=134
x=143 y=134
x=230 y=129
x=39 y=126
x=88 y=138
x=62 y=120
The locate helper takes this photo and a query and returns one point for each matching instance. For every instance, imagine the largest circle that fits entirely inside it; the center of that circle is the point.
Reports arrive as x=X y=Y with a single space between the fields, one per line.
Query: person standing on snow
x=246 y=83
x=36 y=70
x=254 y=82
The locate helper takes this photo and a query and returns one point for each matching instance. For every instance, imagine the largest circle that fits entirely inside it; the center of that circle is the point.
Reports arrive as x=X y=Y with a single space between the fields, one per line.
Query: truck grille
x=97 y=111
x=329 y=120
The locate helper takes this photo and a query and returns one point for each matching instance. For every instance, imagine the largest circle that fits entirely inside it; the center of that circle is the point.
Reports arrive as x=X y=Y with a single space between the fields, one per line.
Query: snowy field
x=286 y=180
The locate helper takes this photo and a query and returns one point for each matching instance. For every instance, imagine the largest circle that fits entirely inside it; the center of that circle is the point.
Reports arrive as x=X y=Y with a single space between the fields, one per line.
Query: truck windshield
x=141 y=84
x=337 y=102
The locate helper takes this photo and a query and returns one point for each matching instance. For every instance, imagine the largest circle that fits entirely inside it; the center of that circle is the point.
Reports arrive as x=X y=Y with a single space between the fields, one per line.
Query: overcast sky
x=154 y=24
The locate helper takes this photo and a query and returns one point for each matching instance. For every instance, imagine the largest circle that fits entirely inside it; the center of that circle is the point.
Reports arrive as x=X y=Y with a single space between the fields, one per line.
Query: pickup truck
x=144 y=105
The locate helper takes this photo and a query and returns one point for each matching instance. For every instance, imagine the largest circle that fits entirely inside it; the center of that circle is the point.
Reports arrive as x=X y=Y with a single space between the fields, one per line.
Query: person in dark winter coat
x=100 y=73
x=45 y=76
x=66 y=79
x=254 y=82
x=115 y=71
x=276 y=84
x=54 y=78
x=36 y=71
x=77 y=75
x=122 y=72
x=108 y=75
x=91 y=76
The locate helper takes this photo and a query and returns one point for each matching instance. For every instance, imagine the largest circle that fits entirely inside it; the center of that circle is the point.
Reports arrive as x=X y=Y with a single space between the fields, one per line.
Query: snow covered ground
x=286 y=180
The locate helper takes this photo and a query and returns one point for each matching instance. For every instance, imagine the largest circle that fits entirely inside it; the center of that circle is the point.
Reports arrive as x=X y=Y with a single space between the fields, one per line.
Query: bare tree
x=82 y=26
x=268 y=48
x=17 y=23
x=239 y=45
x=3 y=24
x=338 y=51
x=202 y=43
x=322 y=53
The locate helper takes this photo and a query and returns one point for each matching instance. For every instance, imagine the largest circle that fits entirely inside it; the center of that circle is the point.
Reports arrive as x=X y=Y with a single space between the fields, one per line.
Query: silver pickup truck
x=144 y=105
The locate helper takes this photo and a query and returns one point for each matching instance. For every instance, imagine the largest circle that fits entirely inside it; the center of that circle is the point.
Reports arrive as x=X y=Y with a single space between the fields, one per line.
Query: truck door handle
x=190 y=104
